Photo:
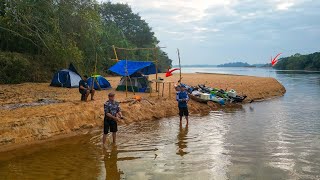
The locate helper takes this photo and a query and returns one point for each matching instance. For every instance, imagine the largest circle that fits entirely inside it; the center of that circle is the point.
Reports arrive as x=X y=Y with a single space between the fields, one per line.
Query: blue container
x=212 y=96
x=222 y=102
x=142 y=89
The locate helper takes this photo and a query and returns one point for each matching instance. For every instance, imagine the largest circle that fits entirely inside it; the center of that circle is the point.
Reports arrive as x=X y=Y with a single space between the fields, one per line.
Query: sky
x=221 y=31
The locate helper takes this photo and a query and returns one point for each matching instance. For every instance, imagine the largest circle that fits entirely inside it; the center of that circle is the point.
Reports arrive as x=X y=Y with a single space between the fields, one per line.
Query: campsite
x=143 y=91
x=69 y=116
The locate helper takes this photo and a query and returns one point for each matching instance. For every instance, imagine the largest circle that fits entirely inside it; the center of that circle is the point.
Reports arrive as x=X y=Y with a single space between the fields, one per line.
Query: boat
x=226 y=95
x=238 y=98
x=215 y=99
x=198 y=99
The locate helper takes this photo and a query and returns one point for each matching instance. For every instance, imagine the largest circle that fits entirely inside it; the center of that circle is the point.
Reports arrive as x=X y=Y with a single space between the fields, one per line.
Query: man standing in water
x=112 y=113
x=183 y=98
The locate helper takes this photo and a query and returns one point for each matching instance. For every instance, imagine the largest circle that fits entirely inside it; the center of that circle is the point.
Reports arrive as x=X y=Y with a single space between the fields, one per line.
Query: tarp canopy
x=133 y=67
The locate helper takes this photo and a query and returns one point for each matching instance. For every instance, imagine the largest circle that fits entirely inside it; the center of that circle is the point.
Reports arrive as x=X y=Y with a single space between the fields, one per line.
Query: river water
x=275 y=139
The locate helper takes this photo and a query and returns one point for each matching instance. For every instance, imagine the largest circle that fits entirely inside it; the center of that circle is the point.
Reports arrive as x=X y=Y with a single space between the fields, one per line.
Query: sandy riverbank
x=25 y=125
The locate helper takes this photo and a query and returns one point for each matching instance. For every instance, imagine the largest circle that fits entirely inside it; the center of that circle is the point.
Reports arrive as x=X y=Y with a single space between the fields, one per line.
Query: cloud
x=224 y=29
x=205 y=29
x=284 y=6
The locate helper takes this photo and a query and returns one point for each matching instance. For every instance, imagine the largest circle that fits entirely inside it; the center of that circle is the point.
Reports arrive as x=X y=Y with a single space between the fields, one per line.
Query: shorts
x=183 y=111
x=82 y=91
x=109 y=125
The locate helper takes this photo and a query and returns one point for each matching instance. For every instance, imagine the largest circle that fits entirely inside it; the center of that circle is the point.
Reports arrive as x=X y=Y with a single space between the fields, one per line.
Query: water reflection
x=110 y=163
x=296 y=72
x=111 y=159
x=182 y=140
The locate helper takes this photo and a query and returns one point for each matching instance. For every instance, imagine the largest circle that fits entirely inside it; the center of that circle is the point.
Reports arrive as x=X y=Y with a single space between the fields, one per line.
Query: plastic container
x=142 y=89
x=205 y=96
x=232 y=93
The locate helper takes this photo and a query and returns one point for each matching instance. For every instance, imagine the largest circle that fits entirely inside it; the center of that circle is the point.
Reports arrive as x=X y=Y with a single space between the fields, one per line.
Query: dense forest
x=38 y=37
x=300 y=62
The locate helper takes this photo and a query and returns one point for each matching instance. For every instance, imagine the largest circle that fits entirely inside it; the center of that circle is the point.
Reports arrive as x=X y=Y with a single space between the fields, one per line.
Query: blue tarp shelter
x=100 y=82
x=133 y=67
x=66 y=78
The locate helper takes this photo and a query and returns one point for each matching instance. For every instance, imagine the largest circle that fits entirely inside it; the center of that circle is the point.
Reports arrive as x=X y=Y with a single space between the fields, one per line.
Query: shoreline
x=70 y=117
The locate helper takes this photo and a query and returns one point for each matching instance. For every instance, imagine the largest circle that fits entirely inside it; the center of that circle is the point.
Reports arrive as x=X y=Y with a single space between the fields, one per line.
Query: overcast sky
x=220 y=31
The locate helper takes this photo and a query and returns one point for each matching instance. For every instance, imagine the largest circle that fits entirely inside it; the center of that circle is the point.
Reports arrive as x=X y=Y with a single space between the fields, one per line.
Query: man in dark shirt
x=112 y=114
x=84 y=89
x=183 y=98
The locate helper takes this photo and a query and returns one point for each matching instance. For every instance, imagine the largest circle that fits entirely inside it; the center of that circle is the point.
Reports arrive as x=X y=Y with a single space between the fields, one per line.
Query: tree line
x=309 y=62
x=38 y=37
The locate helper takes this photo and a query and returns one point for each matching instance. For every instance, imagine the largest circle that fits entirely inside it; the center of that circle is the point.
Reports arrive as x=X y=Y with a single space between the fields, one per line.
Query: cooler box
x=205 y=96
x=232 y=93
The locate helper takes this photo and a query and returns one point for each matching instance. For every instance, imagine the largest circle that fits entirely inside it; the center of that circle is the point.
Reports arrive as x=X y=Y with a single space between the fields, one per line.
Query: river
x=275 y=139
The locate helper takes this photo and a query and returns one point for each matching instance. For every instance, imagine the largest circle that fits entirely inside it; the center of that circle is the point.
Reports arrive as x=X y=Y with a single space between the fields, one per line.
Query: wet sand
x=65 y=115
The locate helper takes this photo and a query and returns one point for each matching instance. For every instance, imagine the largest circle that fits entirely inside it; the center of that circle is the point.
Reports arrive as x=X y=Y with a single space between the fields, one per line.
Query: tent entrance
x=136 y=84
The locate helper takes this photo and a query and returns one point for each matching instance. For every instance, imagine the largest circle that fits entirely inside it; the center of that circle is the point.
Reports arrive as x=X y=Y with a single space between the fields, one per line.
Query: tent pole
x=115 y=52
x=150 y=87
x=94 y=77
x=131 y=86
x=126 y=86
x=126 y=70
x=156 y=61
x=179 y=64
x=95 y=65
x=99 y=87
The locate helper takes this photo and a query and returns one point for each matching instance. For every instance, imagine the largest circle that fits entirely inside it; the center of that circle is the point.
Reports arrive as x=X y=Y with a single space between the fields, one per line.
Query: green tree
x=135 y=29
x=50 y=34
x=300 y=62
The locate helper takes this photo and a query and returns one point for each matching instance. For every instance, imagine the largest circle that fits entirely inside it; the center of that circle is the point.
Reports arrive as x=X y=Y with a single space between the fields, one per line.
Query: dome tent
x=99 y=82
x=134 y=84
x=66 y=78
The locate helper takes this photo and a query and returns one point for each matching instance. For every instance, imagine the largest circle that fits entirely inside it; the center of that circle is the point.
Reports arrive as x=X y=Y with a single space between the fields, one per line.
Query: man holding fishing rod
x=112 y=114
x=183 y=98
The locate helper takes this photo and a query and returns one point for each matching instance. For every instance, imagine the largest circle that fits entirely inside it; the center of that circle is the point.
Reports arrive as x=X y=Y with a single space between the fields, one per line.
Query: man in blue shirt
x=183 y=98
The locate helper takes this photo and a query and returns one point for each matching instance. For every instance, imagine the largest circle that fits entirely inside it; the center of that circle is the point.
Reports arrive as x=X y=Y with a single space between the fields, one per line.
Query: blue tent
x=100 y=83
x=66 y=78
x=133 y=67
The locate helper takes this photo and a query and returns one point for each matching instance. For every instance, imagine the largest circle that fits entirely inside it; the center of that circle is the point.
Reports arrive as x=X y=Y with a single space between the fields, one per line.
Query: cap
x=111 y=94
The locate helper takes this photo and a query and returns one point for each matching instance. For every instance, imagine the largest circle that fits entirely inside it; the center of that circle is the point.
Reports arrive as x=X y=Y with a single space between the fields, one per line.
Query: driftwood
x=136 y=99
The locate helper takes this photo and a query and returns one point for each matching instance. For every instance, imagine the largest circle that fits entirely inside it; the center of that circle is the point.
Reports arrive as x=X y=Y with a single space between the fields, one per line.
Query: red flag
x=169 y=72
x=275 y=60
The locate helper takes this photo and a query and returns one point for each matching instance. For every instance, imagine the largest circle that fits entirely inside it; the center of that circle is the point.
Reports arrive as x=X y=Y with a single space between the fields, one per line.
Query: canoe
x=238 y=98
x=215 y=99
x=198 y=99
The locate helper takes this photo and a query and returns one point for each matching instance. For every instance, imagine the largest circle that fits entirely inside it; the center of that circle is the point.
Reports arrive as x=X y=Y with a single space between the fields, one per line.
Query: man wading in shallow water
x=183 y=98
x=111 y=115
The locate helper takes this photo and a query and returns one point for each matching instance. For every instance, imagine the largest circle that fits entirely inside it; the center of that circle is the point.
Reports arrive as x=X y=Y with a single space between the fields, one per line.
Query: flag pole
x=126 y=78
x=179 y=64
